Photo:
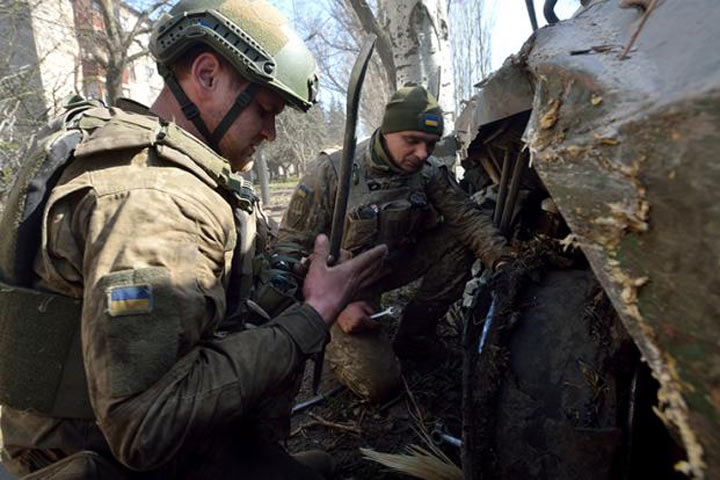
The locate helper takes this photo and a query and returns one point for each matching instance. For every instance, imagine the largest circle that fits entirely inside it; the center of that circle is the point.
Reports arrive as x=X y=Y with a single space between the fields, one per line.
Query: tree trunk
x=420 y=36
x=113 y=84
x=384 y=47
x=261 y=170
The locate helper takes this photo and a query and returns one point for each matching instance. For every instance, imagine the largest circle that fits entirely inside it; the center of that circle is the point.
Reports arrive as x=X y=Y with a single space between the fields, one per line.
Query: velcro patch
x=130 y=300
x=136 y=319
x=299 y=206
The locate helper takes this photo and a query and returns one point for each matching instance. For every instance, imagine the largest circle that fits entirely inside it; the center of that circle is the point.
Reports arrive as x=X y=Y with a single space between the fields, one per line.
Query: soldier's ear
x=205 y=71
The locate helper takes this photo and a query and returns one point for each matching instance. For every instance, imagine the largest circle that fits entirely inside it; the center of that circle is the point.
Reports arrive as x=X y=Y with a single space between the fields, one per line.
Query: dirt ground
x=279 y=199
x=342 y=424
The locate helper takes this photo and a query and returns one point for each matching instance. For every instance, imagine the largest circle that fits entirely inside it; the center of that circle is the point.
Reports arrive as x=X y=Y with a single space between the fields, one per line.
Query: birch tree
x=416 y=33
x=422 y=48
x=335 y=41
x=470 y=22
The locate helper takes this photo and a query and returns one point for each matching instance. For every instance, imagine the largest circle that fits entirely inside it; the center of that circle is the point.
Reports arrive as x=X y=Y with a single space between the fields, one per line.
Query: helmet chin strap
x=192 y=113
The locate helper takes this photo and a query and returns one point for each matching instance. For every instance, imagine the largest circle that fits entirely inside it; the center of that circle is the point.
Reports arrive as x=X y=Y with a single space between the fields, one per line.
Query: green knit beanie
x=413 y=108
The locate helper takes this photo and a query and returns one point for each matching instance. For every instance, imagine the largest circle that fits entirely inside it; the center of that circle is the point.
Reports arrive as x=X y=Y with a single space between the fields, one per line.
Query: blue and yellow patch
x=432 y=121
x=130 y=300
x=303 y=191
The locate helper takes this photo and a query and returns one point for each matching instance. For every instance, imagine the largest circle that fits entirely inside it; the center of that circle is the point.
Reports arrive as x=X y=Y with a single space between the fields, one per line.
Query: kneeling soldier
x=403 y=197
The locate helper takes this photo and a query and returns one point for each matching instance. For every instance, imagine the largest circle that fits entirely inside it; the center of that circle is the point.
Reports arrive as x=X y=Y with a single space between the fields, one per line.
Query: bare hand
x=356 y=318
x=329 y=289
x=301 y=268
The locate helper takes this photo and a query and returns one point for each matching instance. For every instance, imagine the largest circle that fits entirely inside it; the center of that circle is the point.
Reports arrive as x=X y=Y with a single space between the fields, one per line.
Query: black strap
x=192 y=113
x=189 y=109
x=243 y=100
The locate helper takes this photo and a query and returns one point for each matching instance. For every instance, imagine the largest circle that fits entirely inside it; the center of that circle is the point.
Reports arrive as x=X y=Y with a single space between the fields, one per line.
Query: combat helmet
x=253 y=36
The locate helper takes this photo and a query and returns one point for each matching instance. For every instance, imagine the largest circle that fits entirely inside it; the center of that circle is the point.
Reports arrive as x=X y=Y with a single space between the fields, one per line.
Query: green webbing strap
x=243 y=100
x=243 y=191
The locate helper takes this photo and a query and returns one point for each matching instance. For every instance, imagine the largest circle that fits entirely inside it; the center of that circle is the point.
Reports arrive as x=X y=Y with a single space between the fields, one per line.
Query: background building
x=57 y=47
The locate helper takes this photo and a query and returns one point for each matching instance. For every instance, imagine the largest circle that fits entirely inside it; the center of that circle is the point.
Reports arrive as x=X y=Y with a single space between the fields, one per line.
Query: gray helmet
x=250 y=34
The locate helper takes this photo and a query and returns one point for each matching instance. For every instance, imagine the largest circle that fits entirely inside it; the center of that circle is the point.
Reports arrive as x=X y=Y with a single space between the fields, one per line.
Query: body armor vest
x=390 y=209
x=41 y=365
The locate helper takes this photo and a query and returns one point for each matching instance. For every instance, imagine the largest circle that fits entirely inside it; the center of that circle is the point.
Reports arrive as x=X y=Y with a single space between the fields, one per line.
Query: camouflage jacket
x=144 y=235
x=387 y=205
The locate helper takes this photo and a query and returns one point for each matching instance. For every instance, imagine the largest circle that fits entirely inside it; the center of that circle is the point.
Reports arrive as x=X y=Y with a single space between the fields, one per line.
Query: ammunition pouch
x=36 y=373
x=359 y=233
x=397 y=222
x=389 y=209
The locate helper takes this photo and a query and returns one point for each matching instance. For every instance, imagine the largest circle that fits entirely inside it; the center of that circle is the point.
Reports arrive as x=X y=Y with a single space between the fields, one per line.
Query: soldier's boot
x=416 y=342
x=319 y=461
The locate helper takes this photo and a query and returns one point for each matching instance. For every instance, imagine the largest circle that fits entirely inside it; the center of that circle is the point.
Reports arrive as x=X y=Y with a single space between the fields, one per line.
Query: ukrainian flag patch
x=130 y=300
x=303 y=191
x=432 y=120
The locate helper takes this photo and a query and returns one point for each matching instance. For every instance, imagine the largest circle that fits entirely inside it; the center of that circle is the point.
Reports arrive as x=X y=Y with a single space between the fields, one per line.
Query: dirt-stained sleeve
x=311 y=205
x=155 y=253
x=473 y=227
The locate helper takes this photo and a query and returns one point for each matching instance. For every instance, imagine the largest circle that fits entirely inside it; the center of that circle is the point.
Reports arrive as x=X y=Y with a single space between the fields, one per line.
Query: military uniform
x=431 y=228
x=147 y=229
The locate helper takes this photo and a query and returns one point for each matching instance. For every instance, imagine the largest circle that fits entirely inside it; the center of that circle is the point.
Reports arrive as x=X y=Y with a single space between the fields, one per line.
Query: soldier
x=126 y=354
x=403 y=197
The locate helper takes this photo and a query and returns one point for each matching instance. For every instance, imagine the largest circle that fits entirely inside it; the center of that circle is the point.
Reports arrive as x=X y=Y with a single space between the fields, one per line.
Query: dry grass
x=417 y=461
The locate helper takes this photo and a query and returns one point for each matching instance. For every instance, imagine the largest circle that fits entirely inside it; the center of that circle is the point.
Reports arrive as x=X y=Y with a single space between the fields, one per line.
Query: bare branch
x=141 y=25
x=131 y=58
x=384 y=44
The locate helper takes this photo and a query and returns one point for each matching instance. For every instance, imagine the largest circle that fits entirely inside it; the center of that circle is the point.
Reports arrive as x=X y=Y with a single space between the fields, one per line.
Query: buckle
x=243 y=192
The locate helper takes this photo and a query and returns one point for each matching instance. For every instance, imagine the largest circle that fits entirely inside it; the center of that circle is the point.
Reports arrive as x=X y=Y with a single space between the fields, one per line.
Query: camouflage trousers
x=40 y=447
x=365 y=362
x=259 y=461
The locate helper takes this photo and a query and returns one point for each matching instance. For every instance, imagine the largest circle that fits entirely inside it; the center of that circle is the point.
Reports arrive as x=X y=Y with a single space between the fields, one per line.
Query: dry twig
x=417 y=461
x=340 y=426
x=317 y=420
x=625 y=52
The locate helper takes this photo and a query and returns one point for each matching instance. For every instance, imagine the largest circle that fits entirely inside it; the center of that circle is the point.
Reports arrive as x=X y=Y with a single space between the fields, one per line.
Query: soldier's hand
x=356 y=318
x=301 y=268
x=329 y=289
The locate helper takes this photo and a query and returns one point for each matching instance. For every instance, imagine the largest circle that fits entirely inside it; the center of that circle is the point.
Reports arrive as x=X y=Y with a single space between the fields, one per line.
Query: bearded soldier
x=132 y=256
x=402 y=197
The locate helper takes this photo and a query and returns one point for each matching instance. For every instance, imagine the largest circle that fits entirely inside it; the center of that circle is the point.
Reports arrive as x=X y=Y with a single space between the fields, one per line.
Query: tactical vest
x=41 y=365
x=392 y=210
